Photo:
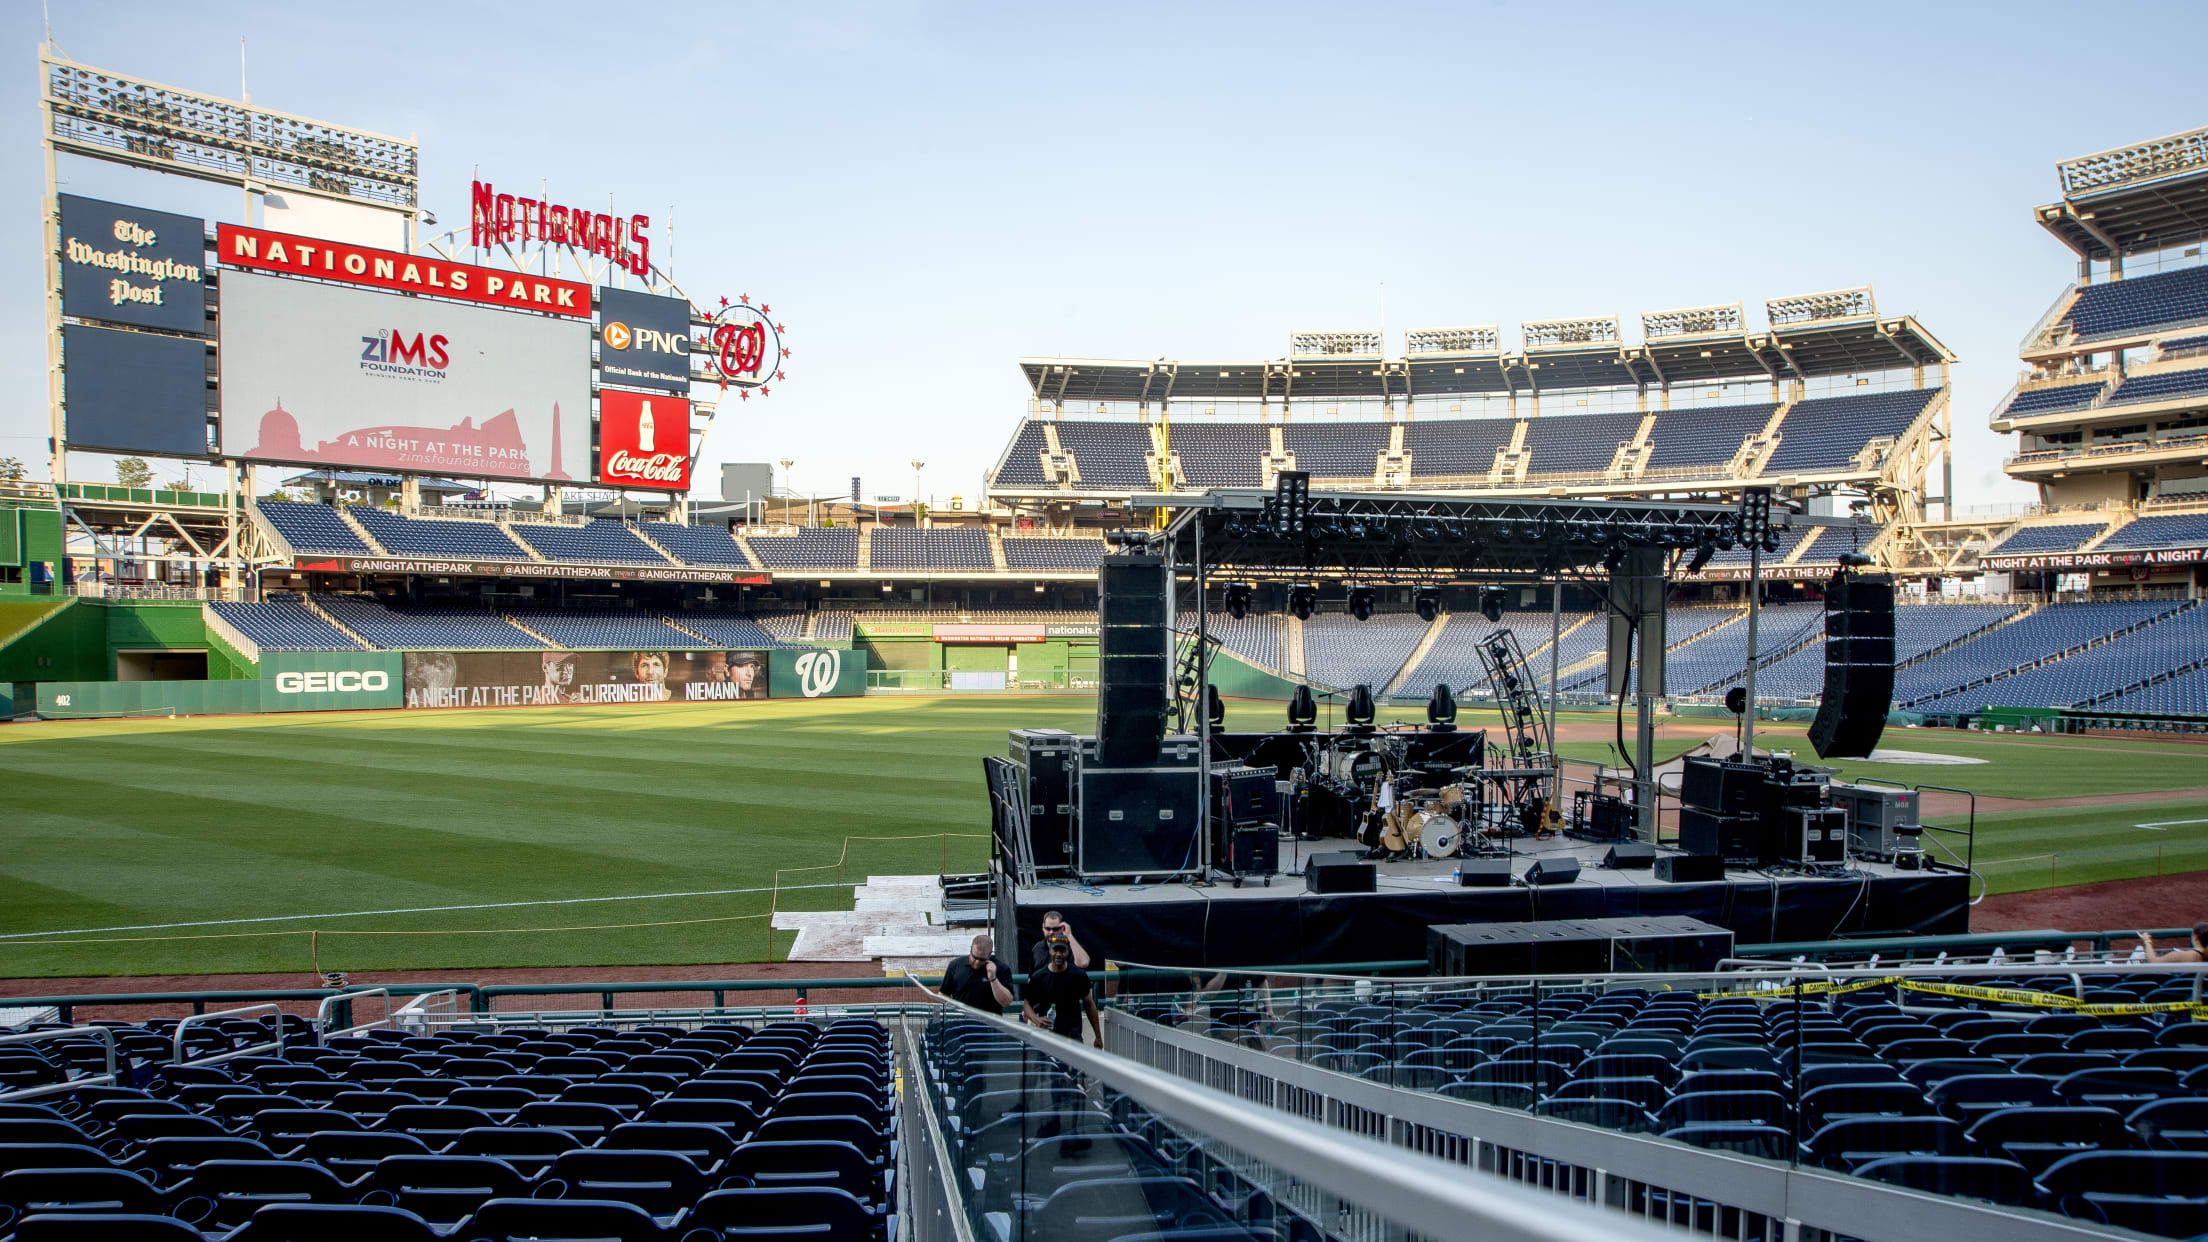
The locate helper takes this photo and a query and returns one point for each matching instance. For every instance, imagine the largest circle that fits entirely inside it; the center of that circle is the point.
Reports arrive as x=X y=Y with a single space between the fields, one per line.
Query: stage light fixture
x=1441 y=709
x=1358 y=710
x=1355 y=529
x=1303 y=710
x=1854 y=560
x=1215 y=708
x=1303 y=599
x=1234 y=528
x=1613 y=560
x=1491 y=604
x=1362 y=601
x=1428 y=604
x=1238 y=600
x=1702 y=554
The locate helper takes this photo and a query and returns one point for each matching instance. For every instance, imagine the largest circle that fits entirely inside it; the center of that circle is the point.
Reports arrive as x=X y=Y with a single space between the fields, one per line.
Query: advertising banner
x=129 y=265
x=643 y=340
x=523 y=569
x=818 y=674
x=536 y=678
x=2086 y=562
x=263 y=250
x=133 y=392
x=984 y=633
x=311 y=681
x=322 y=375
x=643 y=441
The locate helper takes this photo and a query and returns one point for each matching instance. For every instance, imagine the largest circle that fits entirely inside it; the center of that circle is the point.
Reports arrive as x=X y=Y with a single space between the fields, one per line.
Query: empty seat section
x=940 y=548
x=1023 y=462
x=404 y=536
x=1705 y=437
x=1455 y=447
x=2052 y=629
x=734 y=629
x=1052 y=554
x=833 y=548
x=1109 y=456
x=703 y=546
x=2166 y=386
x=596 y=542
x=454 y=628
x=2138 y=303
x=2050 y=400
x=284 y=625
x=1578 y=443
x=1336 y=450
x=2161 y=530
x=1255 y=638
x=312 y=528
x=2063 y=537
x=1340 y=650
x=1827 y=433
x=605 y=629
x=1220 y=454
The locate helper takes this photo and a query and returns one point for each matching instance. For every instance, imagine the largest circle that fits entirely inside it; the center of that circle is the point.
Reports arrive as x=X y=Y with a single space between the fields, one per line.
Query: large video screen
x=537 y=678
x=325 y=375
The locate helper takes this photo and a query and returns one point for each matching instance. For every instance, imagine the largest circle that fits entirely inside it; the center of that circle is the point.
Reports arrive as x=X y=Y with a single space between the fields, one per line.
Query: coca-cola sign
x=643 y=440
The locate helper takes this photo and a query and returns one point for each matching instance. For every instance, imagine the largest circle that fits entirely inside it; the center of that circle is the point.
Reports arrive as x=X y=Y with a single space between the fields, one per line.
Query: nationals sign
x=289 y=255
x=643 y=440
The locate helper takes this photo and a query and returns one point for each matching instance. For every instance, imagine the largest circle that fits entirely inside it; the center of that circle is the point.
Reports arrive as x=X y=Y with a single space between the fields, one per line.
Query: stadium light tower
x=916 y=464
x=789 y=488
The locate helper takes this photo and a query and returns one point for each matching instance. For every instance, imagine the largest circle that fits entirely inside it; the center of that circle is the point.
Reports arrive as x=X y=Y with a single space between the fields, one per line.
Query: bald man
x=980 y=979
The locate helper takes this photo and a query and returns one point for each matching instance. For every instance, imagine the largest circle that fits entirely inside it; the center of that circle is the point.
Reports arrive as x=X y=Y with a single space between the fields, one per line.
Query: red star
x=765 y=309
x=765 y=391
x=785 y=351
x=745 y=298
x=778 y=376
x=778 y=328
x=745 y=393
x=724 y=301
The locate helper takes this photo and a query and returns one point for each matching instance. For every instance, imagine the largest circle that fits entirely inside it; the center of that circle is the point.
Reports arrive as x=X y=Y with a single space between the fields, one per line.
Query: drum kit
x=1438 y=823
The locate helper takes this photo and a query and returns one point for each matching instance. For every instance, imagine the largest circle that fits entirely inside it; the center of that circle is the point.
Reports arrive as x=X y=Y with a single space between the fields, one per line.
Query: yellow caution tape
x=1965 y=991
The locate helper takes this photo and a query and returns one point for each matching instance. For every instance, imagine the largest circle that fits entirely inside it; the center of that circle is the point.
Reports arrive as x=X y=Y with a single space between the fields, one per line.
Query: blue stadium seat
x=312 y=528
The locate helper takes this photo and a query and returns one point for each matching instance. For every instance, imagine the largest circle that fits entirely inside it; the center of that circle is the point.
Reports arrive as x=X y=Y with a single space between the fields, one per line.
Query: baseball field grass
x=612 y=835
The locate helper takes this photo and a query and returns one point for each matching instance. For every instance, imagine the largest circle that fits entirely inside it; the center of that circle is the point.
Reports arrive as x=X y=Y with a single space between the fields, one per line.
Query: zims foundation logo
x=392 y=352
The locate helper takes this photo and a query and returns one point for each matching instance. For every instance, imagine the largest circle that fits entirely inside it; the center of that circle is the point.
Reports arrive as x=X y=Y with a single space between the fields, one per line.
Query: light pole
x=788 y=489
x=916 y=490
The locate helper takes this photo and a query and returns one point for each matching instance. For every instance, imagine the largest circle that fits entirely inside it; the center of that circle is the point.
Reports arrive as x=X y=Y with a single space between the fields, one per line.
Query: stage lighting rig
x=1428 y=604
x=1491 y=604
x=1702 y=554
x=1362 y=601
x=1441 y=710
x=1303 y=599
x=1238 y=600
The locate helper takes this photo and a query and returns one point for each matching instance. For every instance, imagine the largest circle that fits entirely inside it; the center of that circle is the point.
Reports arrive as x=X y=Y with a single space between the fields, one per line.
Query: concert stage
x=1219 y=925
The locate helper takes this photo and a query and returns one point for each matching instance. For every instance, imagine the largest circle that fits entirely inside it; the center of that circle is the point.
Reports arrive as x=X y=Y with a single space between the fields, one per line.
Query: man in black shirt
x=980 y=979
x=1054 y=927
x=1062 y=991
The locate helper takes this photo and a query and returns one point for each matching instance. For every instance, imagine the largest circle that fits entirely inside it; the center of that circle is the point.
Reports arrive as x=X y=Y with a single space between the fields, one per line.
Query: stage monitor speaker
x=1344 y=871
x=1689 y=868
x=1630 y=856
x=1560 y=870
x=1721 y=786
x=1859 y=666
x=1737 y=839
x=1483 y=873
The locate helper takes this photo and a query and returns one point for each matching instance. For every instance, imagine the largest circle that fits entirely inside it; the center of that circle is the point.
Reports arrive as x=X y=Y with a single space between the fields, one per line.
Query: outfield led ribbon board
x=132 y=266
x=289 y=255
x=643 y=441
x=318 y=374
x=445 y=679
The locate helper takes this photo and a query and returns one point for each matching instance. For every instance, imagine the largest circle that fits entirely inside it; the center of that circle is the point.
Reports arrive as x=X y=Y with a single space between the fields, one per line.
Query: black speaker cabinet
x=1483 y=872
x=1738 y=839
x=1046 y=763
x=1344 y=871
x=1132 y=661
x=1721 y=786
x=1137 y=821
x=1689 y=868
x=1813 y=835
x=1245 y=796
x=1559 y=870
x=1630 y=856
x=1130 y=588
x=1859 y=666
x=1254 y=850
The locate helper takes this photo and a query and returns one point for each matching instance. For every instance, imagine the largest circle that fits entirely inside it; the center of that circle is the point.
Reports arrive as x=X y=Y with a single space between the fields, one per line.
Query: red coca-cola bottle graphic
x=644 y=429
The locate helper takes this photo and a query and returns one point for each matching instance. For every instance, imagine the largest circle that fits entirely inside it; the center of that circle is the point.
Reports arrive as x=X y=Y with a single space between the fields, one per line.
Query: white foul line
x=2160 y=824
x=356 y=914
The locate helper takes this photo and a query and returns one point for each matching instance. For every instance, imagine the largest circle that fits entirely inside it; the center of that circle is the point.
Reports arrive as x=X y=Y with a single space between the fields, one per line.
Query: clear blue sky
x=927 y=192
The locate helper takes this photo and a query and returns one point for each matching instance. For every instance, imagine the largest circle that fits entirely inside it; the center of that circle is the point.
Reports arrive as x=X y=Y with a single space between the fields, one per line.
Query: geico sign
x=345 y=682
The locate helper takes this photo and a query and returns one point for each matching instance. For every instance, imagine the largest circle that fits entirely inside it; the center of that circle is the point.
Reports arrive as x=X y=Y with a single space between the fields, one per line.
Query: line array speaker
x=1132 y=672
x=1859 y=666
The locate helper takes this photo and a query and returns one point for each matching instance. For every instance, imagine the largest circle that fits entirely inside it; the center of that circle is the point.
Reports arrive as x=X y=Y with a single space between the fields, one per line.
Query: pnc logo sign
x=346 y=681
x=618 y=335
x=818 y=672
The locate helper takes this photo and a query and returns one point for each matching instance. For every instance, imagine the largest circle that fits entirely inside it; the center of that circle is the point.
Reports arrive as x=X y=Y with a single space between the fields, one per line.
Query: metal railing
x=275 y=1045
x=105 y=1036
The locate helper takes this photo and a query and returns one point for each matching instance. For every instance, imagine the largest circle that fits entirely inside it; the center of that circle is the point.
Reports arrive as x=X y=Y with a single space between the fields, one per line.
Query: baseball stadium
x=1534 y=780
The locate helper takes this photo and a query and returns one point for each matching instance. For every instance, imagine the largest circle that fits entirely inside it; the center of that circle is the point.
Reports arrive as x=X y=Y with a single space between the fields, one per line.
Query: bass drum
x=1438 y=833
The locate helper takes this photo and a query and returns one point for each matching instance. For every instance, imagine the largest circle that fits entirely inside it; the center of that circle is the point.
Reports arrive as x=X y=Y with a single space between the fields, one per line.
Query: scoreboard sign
x=131 y=266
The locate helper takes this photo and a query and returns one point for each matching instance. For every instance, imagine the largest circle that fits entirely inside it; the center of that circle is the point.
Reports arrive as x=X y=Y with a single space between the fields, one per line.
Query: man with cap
x=1059 y=994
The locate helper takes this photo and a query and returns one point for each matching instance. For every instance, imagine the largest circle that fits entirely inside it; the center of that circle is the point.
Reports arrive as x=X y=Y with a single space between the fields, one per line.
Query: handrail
x=107 y=1037
x=323 y=1012
x=177 y=1053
